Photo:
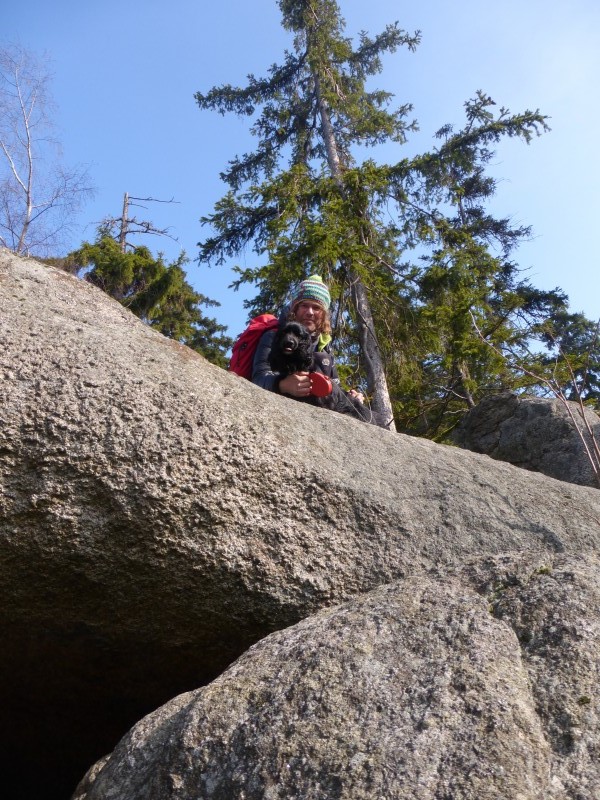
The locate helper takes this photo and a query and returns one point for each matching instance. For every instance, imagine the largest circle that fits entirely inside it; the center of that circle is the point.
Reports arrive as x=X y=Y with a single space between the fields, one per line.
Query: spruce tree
x=157 y=292
x=472 y=300
x=298 y=196
x=568 y=362
x=422 y=274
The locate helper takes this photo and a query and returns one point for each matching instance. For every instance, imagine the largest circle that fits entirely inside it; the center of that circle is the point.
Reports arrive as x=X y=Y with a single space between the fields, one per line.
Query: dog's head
x=292 y=349
x=293 y=337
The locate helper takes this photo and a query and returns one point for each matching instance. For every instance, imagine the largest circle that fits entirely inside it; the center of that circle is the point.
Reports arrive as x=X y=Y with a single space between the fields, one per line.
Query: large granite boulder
x=158 y=515
x=426 y=689
x=541 y=434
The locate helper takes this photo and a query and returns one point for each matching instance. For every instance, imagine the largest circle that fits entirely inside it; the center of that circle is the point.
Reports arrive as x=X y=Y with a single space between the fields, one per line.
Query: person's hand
x=296 y=385
x=357 y=395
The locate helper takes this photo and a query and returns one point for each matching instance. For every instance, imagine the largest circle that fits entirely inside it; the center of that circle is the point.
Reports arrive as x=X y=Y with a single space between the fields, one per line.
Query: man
x=309 y=307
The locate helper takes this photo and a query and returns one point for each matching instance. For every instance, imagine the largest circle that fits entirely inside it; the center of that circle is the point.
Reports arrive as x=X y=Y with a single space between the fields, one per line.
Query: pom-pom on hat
x=314 y=290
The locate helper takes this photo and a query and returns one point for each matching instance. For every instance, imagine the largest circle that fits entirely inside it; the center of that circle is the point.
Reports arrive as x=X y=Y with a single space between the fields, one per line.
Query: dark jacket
x=263 y=376
x=338 y=400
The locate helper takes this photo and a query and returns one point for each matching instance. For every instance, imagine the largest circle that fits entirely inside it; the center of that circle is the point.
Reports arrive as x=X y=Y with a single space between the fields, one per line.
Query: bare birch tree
x=39 y=196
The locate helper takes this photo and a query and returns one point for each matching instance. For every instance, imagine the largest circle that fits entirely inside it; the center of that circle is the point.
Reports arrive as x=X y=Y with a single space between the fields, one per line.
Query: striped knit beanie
x=314 y=290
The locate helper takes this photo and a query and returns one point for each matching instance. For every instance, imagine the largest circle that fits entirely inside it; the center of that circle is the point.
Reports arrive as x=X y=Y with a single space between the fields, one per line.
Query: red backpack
x=242 y=352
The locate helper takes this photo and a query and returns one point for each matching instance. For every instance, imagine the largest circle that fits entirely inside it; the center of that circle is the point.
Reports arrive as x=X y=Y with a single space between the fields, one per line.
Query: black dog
x=292 y=351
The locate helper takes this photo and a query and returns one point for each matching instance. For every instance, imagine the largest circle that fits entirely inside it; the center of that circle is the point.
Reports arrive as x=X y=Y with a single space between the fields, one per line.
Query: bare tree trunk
x=371 y=354
x=26 y=186
x=124 y=222
x=28 y=195
x=366 y=327
x=463 y=371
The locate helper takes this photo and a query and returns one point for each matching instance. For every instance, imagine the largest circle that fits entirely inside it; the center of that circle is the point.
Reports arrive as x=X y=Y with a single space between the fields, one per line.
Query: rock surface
x=159 y=515
x=534 y=433
x=422 y=689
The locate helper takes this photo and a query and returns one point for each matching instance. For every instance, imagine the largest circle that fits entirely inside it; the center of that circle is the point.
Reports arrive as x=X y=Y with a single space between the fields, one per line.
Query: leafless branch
x=38 y=197
x=590 y=444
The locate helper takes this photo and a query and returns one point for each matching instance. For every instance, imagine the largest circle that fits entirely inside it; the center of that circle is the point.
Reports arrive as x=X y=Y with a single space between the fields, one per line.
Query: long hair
x=323 y=326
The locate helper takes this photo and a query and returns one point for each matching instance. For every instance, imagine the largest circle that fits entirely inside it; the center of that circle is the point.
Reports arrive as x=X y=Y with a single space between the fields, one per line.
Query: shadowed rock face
x=424 y=688
x=159 y=515
x=534 y=433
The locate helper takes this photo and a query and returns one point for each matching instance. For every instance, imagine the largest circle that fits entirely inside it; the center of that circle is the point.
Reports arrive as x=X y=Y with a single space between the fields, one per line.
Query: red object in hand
x=320 y=386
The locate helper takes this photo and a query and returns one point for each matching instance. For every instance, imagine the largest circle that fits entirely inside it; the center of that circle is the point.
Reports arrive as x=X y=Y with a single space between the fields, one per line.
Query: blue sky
x=125 y=74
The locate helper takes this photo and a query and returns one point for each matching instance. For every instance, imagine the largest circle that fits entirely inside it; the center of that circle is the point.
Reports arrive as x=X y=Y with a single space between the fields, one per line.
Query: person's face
x=309 y=314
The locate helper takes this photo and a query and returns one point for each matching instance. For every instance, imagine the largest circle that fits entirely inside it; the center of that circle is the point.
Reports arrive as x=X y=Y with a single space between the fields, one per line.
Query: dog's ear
x=306 y=335
x=297 y=329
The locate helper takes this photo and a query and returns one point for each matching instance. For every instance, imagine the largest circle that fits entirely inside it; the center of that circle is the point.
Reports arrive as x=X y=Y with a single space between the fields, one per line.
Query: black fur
x=291 y=350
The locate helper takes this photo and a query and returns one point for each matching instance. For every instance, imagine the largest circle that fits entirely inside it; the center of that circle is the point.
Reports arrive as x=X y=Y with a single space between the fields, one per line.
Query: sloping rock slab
x=158 y=515
x=534 y=433
x=423 y=689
